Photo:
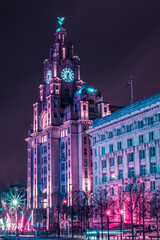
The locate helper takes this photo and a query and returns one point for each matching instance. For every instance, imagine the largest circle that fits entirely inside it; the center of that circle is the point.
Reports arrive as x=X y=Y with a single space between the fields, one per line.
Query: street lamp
x=15 y=204
x=121 y=214
x=107 y=215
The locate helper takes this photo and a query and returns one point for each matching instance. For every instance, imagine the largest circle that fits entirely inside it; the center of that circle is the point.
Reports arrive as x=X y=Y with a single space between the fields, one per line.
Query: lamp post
x=121 y=214
x=15 y=204
x=107 y=215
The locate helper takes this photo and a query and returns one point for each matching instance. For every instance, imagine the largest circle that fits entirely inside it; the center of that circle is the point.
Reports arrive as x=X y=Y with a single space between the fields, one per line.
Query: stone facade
x=126 y=148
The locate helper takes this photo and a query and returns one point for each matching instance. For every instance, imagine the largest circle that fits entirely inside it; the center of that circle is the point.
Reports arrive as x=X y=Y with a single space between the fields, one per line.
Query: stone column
x=108 y=169
x=136 y=161
x=125 y=164
x=158 y=156
x=147 y=156
x=116 y=166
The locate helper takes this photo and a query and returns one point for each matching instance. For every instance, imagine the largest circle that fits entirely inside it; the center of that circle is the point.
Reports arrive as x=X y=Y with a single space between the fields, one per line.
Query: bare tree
x=102 y=205
x=142 y=210
x=155 y=207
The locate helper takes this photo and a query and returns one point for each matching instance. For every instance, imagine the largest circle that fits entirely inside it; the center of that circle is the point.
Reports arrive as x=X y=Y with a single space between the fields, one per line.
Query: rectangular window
x=45 y=170
x=55 y=115
x=68 y=141
x=84 y=107
x=45 y=149
x=104 y=163
x=103 y=150
x=45 y=160
x=141 y=139
x=111 y=148
x=151 y=136
x=62 y=166
x=85 y=163
x=129 y=128
x=104 y=177
x=118 y=132
x=119 y=145
x=48 y=146
x=142 y=154
x=102 y=137
x=120 y=160
x=86 y=174
x=120 y=174
x=152 y=152
x=140 y=124
x=48 y=167
x=142 y=170
x=94 y=140
x=95 y=152
x=130 y=157
x=110 y=134
x=129 y=142
x=112 y=162
x=85 y=140
x=63 y=188
x=95 y=165
x=131 y=172
x=96 y=179
x=150 y=120
x=112 y=191
x=153 y=168
x=153 y=185
x=63 y=177
x=143 y=187
x=69 y=152
x=48 y=157
x=85 y=151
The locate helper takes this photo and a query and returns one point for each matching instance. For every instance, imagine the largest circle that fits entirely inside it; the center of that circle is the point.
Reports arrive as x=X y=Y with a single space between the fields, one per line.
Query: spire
x=60 y=22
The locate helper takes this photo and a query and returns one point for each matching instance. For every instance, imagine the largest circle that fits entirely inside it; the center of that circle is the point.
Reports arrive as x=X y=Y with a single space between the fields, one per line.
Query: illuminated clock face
x=48 y=76
x=67 y=74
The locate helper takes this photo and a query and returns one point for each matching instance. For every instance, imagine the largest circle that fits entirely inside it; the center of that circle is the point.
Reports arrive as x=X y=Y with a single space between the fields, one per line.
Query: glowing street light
x=64 y=201
x=15 y=202
x=113 y=176
x=107 y=212
x=121 y=211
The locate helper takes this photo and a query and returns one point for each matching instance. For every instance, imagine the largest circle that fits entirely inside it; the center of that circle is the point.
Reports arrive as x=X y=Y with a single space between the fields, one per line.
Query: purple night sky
x=114 y=40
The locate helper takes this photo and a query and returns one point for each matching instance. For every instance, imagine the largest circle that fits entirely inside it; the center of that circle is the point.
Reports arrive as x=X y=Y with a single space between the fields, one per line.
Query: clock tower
x=59 y=153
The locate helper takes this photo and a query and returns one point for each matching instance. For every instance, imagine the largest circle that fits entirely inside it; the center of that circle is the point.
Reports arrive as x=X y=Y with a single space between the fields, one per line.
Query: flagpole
x=131 y=90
